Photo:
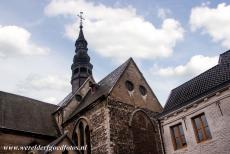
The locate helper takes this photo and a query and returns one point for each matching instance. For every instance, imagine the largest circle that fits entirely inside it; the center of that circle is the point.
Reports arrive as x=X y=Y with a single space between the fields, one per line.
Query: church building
x=121 y=114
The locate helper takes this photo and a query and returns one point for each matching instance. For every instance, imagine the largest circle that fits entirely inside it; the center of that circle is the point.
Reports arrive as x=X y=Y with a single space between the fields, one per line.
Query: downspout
x=161 y=136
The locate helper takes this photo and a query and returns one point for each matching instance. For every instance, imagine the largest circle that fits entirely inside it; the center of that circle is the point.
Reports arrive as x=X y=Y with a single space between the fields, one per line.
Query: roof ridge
x=125 y=65
x=198 y=86
x=70 y=95
x=190 y=100
x=111 y=73
x=194 y=78
x=218 y=64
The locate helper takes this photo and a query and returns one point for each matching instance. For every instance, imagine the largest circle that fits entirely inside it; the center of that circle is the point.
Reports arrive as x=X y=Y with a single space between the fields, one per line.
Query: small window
x=178 y=137
x=142 y=90
x=78 y=98
x=83 y=70
x=201 y=128
x=129 y=85
x=76 y=71
x=90 y=72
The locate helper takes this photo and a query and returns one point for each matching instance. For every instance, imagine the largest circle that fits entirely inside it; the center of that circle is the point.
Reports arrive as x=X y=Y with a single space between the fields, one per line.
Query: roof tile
x=26 y=114
x=205 y=83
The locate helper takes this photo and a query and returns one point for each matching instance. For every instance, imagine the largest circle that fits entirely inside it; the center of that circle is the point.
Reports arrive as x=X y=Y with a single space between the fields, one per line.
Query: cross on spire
x=81 y=18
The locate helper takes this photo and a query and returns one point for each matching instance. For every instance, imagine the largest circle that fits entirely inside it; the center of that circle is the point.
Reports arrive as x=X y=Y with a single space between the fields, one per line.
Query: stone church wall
x=111 y=133
x=217 y=112
x=98 y=117
x=134 y=97
x=121 y=135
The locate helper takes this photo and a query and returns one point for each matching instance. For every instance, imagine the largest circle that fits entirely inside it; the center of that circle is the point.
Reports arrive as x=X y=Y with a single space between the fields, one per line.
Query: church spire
x=81 y=42
x=81 y=67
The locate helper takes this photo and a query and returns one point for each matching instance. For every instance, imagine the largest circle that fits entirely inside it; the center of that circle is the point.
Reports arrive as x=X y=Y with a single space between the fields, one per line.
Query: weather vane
x=81 y=18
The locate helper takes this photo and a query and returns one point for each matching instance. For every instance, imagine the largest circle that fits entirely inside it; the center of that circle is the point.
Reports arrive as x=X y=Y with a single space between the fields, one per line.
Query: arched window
x=87 y=133
x=143 y=131
x=75 y=137
x=81 y=135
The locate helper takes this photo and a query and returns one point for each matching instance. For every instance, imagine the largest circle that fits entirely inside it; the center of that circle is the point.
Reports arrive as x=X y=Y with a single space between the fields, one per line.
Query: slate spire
x=81 y=67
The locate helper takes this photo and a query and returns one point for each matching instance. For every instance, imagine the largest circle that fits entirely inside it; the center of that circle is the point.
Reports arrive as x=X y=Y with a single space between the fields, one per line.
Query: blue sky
x=171 y=41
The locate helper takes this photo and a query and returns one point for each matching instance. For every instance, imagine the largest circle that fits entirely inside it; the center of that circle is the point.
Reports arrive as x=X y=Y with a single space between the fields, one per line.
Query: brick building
x=121 y=114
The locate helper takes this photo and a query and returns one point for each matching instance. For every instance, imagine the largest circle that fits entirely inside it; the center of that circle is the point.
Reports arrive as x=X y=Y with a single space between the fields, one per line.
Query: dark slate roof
x=66 y=99
x=27 y=115
x=104 y=88
x=211 y=80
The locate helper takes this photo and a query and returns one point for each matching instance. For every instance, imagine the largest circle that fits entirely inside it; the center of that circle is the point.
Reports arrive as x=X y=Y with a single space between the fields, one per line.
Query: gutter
x=33 y=134
x=161 y=137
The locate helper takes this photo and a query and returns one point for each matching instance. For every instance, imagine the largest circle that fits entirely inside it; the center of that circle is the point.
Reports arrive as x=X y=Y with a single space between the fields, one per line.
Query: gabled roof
x=26 y=115
x=211 y=80
x=67 y=99
x=104 y=88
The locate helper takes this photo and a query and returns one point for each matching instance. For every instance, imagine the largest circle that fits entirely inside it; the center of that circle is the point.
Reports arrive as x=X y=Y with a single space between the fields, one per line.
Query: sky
x=171 y=41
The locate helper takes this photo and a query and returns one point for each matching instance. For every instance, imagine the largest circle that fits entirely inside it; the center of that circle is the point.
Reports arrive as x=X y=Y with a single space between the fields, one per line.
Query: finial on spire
x=81 y=18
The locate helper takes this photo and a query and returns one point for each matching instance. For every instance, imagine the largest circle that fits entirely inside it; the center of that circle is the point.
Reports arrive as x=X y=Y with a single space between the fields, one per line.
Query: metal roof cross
x=81 y=18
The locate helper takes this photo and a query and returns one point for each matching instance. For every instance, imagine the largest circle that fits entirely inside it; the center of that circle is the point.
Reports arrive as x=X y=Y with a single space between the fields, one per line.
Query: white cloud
x=163 y=13
x=196 y=65
x=214 y=21
x=164 y=79
x=48 y=88
x=49 y=82
x=119 y=32
x=205 y=3
x=16 y=41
